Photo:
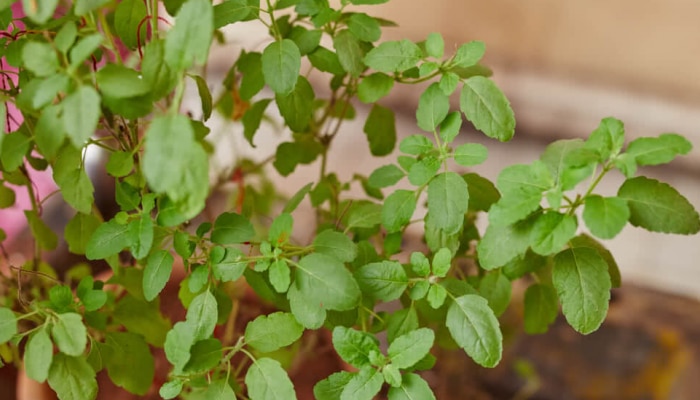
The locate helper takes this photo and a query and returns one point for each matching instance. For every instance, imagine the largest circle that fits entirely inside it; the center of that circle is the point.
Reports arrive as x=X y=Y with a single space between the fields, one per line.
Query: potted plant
x=113 y=75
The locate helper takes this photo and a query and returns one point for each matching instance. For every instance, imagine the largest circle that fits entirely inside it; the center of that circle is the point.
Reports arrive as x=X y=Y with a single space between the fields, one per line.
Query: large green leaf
x=433 y=107
x=502 y=243
x=448 y=200
x=81 y=112
x=129 y=361
x=658 y=207
x=127 y=17
x=398 y=209
x=40 y=58
x=39 y=11
x=38 y=355
x=605 y=216
x=324 y=281
x=354 y=347
x=380 y=129
x=394 y=56
x=349 y=52
x=581 y=278
x=202 y=314
x=551 y=231
x=297 y=106
x=69 y=334
x=475 y=328
x=72 y=378
x=385 y=280
x=230 y=228
x=189 y=40
x=483 y=103
x=267 y=380
x=406 y=350
x=118 y=81
x=565 y=166
x=364 y=385
x=268 y=333
x=336 y=245
x=541 y=308
x=413 y=387
x=281 y=62
x=658 y=150
x=331 y=387
x=108 y=239
x=373 y=87
x=157 y=273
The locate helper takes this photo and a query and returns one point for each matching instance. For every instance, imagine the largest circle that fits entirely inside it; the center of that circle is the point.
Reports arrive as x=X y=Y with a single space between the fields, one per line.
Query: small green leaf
x=120 y=164
x=394 y=56
x=424 y=170
x=433 y=107
x=448 y=200
x=295 y=200
x=658 y=207
x=69 y=334
x=406 y=350
x=502 y=243
x=336 y=245
x=281 y=62
x=108 y=239
x=392 y=375
x=363 y=385
x=171 y=389
x=658 y=150
x=551 y=232
x=127 y=17
x=483 y=103
x=384 y=281
x=231 y=11
x=380 y=129
x=39 y=11
x=118 y=81
x=8 y=325
x=202 y=314
x=561 y=159
x=353 y=346
x=416 y=145
x=306 y=40
x=412 y=387
x=45 y=237
x=60 y=297
x=84 y=49
x=398 y=209
x=474 y=327
x=177 y=345
x=326 y=282
x=350 y=52
x=364 y=27
x=204 y=96
x=449 y=82
x=92 y=299
x=141 y=231
x=38 y=355
x=375 y=86
x=188 y=41
x=72 y=378
x=470 y=154
x=205 y=355
x=469 y=54
x=129 y=361
x=40 y=58
x=77 y=189
x=607 y=140
x=384 y=176
x=496 y=289
x=326 y=61
x=157 y=273
x=296 y=106
x=81 y=112
x=605 y=216
x=581 y=278
x=365 y=215
x=309 y=313
x=15 y=146
x=331 y=387
x=252 y=118
x=541 y=308
x=482 y=192
x=435 y=45
x=291 y=154
x=230 y=228
x=267 y=380
x=268 y=333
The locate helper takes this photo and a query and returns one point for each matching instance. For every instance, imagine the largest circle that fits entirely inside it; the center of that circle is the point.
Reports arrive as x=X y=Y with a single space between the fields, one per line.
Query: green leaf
x=76 y=189
x=541 y=308
x=435 y=45
x=177 y=345
x=295 y=200
x=8 y=325
x=448 y=200
x=394 y=56
x=398 y=209
x=252 y=118
x=69 y=334
x=40 y=58
x=551 y=232
x=336 y=245
x=326 y=61
x=365 y=215
x=380 y=129
x=375 y=86
x=205 y=355
x=296 y=106
x=169 y=139
x=309 y=313
x=171 y=389
x=129 y=361
x=607 y=140
x=474 y=327
x=406 y=350
x=108 y=239
x=560 y=157
x=306 y=40
x=141 y=317
x=658 y=207
x=39 y=11
x=522 y=187
x=202 y=314
x=331 y=387
x=160 y=77
x=363 y=385
x=81 y=112
x=188 y=41
x=470 y=154
x=141 y=230
x=281 y=62
x=469 y=54
x=38 y=355
x=502 y=243
x=84 y=49
x=204 y=96
x=231 y=11
x=7 y=196
x=120 y=163
x=364 y=27
x=416 y=145
x=60 y=297
x=267 y=380
x=350 y=52
x=15 y=146
x=325 y=281
x=157 y=273
x=72 y=378
x=584 y=240
x=605 y=216
x=127 y=17
x=581 y=278
x=268 y=333
x=412 y=387
x=49 y=134
x=658 y=150
x=290 y=154
x=83 y=7
x=385 y=280
x=118 y=81
x=45 y=237
x=483 y=103
x=496 y=289
x=433 y=107
x=49 y=88
x=230 y=228
x=482 y=192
